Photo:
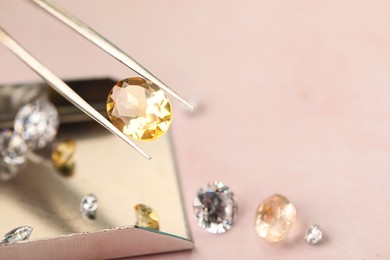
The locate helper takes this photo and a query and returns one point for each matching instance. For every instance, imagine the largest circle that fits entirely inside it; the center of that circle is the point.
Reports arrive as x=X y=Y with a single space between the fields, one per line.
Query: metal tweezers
x=57 y=84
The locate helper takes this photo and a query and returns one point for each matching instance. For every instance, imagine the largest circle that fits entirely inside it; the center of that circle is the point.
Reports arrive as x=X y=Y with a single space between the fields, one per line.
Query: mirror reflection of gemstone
x=146 y=217
x=215 y=208
x=88 y=206
x=63 y=154
x=37 y=123
x=16 y=235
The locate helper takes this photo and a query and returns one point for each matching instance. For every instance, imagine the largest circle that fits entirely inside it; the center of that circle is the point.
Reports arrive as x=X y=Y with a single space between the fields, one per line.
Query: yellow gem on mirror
x=275 y=218
x=139 y=108
x=146 y=217
x=63 y=156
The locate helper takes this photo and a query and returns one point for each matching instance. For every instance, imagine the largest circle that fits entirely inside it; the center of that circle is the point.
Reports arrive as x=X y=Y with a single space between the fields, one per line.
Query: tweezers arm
x=57 y=84
x=105 y=44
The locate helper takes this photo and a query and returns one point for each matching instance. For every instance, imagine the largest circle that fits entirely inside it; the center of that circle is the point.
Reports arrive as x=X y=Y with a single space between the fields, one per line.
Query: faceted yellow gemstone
x=275 y=218
x=146 y=217
x=63 y=156
x=139 y=108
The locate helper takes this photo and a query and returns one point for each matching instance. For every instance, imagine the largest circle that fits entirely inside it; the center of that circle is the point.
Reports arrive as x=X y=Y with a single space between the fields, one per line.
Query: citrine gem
x=146 y=217
x=139 y=108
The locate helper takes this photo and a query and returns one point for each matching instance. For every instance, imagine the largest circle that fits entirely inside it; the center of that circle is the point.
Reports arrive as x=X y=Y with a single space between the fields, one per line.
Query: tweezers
x=62 y=88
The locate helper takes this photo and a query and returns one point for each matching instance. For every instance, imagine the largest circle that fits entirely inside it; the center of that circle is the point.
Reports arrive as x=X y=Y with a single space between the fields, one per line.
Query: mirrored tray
x=40 y=197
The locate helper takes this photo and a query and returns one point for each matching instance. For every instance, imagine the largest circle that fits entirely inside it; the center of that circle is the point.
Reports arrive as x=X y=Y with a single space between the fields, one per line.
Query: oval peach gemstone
x=275 y=218
x=139 y=108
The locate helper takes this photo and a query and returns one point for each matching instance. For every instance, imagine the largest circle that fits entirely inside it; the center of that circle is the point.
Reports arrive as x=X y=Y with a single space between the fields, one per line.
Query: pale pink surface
x=296 y=98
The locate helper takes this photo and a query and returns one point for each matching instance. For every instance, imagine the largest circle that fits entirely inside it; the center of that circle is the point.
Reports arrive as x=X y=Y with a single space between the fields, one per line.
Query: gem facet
x=275 y=218
x=146 y=217
x=37 y=123
x=215 y=208
x=63 y=156
x=314 y=234
x=12 y=148
x=16 y=235
x=88 y=206
x=139 y=108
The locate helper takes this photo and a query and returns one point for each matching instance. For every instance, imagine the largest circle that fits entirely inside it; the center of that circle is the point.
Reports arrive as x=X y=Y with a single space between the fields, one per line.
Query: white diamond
x=37 y=123
x=7 y=171
x=215 y=208
x=12 y=148
x=16 y=235
x=314 y=235
x=89 y=205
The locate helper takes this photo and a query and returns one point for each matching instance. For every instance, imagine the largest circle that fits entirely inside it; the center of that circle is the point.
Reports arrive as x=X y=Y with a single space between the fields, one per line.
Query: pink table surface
x=296 y=100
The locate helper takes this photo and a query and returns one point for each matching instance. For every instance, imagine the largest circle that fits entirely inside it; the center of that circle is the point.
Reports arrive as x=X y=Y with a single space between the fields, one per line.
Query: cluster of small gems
x=215 y=208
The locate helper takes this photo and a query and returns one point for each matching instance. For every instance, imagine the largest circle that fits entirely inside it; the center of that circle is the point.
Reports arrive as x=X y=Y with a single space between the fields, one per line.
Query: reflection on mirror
x=87 y=179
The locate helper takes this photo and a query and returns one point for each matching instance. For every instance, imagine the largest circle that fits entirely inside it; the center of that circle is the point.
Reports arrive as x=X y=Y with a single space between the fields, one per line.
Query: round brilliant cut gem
x=275 y=218
x=314 y=235
x=13 y=149
x=88 y=206
x=37 y=123
x=139 y=108
x=215 y=208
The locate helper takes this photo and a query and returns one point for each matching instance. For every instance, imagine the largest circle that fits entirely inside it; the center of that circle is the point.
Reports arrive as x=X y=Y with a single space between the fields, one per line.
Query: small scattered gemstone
x=146 y=217
x=275 y=218
x=13 y=149
x=63 y=156
x=17 y=234
x=215 y=208
x=8 y=171
x=88 y=206
x=37 y=123
x=139 y=108
x=314 y=234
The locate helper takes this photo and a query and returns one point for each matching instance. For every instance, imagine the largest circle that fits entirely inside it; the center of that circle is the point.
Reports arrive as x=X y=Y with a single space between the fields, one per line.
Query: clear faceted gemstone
x=146 y=217
x=314 y=234
x=89 y=205
x=8 y=171
x=17 y=234
x=215 y=208
x=13 y=149
x=275 y=218
x=139 y=108
x=37 y=123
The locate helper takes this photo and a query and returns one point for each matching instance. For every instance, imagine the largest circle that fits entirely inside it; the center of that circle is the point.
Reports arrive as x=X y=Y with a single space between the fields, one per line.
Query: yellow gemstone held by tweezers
x=139 y=108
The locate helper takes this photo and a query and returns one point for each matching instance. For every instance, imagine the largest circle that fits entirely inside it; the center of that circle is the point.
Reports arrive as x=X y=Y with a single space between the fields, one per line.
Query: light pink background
x=296 y=100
